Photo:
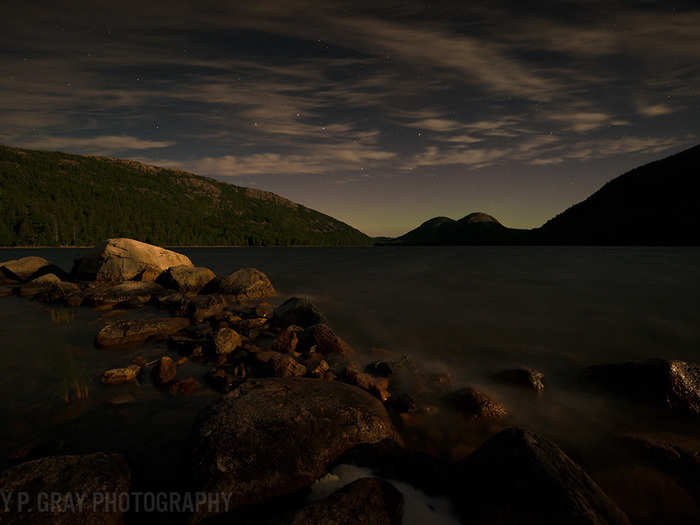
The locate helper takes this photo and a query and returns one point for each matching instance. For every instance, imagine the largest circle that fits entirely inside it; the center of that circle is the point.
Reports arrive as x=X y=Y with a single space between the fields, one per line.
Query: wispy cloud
x=96 y=145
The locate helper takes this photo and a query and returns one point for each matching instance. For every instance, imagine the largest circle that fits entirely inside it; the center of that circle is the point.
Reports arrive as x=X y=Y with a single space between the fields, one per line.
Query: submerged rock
x=187 y=279
x=673 y=385
x=523 y=377
x=118 y=376
x=165 y=371
x=473 y=404
x=301 y=312
x=122 y=259
x=124 y=332
x=367 y=501
x=247 y=283
x=94 y=478
x=139 y=292
x=271 y=437
x=183 y=386
x=519 y=477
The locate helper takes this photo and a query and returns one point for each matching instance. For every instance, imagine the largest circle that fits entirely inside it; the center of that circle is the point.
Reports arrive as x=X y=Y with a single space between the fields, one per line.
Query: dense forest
x=57 y=199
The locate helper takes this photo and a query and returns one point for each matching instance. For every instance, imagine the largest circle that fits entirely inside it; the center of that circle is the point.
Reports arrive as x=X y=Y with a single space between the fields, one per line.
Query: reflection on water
x=470 y=311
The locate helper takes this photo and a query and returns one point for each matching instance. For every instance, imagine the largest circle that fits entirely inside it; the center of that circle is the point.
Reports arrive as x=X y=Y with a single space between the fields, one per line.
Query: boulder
x=133 y=292
x=123 y=332
x=165 y=371
x=378 y=386
x=203 y=307
x=522 y=377
x=317 y=367
x=473 y=404
x=183 y=386
x=301 y=312
x=226 y=341
x=247 y=283
x=367 y=501
x=519 y=477
x=118 y=376
x=326 y=341
x=271 y=437
x=51 y=286
x=186 y=279
x=94 y=479
x=287 y=366
x=673 y=385
x=123 y=259
x=28 y=268
x=288 y=339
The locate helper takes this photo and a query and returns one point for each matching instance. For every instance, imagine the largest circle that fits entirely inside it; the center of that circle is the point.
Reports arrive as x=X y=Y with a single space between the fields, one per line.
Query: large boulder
x=367 y=501
x=187 y=279
x=271 y=437
x=123 y=332
x=28 y=268
x=298 y=311
x=93 y=479
x=247 y=283
x=326 y=341
x=123 y=259
x=673 y=385
x=519 y=477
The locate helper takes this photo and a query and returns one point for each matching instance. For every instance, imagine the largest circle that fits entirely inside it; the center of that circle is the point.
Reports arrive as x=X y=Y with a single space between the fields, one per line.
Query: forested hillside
x=54 y=199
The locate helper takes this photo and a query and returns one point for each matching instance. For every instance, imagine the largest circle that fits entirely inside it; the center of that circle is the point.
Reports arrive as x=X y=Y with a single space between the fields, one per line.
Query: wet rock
x=134 y=292
x=287 y=366
x=186 y=279
x=366 y=501
x=140 y=361
x=122 y=332
x=181 y=361
x=379 y=368
x=519 y=477
x=288 y=339
x=673 y=385
x=48 y=288
x=271 y=437
x=301 y=312
x=226 y=341
x=317 y=367
x=378 y=386
x=678 y=462
x=183 y=386
x=118 y=376
x=165 y=371
x=265 y=310
x=523 y=377
x=122 y=259
x=28 y=268
x=203 y=307
x=326 y=341
x=6 y=291
x=473 y=404
x=247 y=283
x=95 y=478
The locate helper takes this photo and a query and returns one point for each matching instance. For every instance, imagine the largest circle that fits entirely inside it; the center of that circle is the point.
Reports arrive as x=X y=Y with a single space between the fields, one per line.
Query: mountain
x=52 y=199
x=655 y=204
x=658 y=203
x=475 y=228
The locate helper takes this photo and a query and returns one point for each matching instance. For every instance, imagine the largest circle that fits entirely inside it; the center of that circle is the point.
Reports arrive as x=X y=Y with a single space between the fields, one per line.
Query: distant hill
x=655 y=204
x=52 y=199
x=658 y=203
x=475 y=228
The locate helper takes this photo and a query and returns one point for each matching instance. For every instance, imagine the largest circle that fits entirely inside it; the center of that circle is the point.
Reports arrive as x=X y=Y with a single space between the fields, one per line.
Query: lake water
x=470 y=311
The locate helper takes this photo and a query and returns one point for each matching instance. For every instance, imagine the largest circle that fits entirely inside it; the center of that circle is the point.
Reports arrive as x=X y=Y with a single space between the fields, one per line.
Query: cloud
x=654 y=110
x=582 y=121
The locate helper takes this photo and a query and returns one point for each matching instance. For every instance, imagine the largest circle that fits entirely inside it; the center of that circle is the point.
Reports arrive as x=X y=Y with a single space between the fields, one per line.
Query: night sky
x=380 y=114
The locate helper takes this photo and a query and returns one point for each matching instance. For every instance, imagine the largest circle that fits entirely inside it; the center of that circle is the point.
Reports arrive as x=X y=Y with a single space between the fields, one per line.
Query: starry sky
x=382 y=114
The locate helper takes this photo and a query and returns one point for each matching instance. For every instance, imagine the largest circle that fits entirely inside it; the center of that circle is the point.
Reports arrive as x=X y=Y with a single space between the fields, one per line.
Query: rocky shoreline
x=296 y=400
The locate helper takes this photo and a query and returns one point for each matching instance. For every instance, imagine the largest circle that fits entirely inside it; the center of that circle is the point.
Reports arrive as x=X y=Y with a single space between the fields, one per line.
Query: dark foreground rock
x=271 y=437
x=92 y=477
x=519 y=477
x=124 y=332
x=247 y=283
x=367 y=501
x=522 y=377
x=187 y=279
x=123 y=259
x=674 y=385
x=300 y=312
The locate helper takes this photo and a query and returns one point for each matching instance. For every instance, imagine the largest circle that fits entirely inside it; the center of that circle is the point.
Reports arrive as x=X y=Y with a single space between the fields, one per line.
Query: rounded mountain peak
x=478 y=217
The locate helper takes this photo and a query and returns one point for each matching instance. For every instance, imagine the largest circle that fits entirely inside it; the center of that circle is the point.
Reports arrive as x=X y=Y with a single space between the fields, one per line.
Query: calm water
x=468 y=310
